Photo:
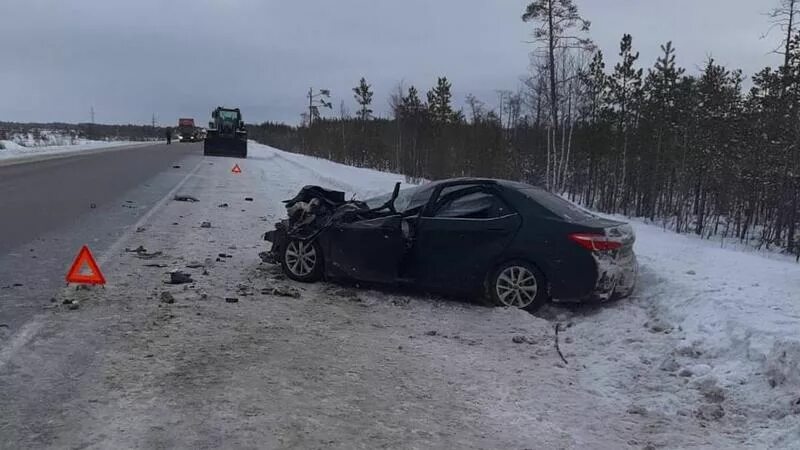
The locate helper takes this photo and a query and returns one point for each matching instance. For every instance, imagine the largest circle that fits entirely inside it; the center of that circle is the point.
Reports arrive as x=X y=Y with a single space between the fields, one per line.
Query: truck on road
x=187 y=131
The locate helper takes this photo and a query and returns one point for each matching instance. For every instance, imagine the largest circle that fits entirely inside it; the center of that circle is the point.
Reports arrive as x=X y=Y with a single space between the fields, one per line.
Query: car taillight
x=595 y=242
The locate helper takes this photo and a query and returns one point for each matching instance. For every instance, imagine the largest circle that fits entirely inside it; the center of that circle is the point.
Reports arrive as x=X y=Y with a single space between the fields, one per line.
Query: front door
x=368 y=250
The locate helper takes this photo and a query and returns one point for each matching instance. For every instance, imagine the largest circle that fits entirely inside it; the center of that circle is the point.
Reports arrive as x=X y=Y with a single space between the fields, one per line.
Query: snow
x=12 y=150
x=705 y=354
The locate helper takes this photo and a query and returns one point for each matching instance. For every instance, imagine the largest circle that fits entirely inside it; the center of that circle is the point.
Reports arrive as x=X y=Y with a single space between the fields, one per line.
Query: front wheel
x=302 y=260
x=517 y=284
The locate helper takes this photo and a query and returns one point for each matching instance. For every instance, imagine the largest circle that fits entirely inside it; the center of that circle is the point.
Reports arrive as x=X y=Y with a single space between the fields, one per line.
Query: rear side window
x=477 y=205
x=557 y=205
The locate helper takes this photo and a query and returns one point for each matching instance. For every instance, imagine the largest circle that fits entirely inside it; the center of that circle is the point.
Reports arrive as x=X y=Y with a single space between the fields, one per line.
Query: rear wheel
x=518 y=284
x=302 y=260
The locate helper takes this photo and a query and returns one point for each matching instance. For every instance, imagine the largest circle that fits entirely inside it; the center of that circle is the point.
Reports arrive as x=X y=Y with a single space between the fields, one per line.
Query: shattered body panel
x=450 y=235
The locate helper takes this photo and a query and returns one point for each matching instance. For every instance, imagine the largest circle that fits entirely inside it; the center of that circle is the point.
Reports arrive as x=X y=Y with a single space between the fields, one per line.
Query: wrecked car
x=514 y=243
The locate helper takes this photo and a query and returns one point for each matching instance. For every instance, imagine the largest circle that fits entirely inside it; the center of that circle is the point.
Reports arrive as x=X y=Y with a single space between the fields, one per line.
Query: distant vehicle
x=517 y=244
x=226 y=134
x=187 y=131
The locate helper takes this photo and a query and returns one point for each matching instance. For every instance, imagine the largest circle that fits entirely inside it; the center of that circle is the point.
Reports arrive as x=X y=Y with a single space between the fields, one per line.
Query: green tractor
x=226 y=134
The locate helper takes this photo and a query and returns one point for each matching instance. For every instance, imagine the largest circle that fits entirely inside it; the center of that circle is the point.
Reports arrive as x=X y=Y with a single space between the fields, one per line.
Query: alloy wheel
x=516 y=286
x=301 y=258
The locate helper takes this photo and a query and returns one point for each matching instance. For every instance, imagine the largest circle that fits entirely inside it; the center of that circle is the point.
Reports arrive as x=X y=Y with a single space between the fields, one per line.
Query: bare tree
x=783 y=18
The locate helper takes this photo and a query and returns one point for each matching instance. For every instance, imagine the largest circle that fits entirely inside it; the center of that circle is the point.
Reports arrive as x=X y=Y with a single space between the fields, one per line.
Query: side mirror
x=396 y=191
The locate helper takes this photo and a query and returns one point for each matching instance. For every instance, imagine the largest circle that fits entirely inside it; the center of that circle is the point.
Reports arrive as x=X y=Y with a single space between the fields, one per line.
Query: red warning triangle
x=236 y=169
x=76 y=273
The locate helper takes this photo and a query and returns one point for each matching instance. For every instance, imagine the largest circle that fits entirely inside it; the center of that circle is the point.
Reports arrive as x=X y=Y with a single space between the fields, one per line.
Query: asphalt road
x=49 y=209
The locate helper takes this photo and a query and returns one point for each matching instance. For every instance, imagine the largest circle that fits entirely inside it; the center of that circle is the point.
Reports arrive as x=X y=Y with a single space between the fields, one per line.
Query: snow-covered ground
x=704 y=355
x=12 y=150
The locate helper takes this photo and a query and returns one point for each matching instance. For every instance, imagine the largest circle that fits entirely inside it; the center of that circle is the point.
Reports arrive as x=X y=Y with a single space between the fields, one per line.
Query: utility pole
x=154 y=120
x=91 y=114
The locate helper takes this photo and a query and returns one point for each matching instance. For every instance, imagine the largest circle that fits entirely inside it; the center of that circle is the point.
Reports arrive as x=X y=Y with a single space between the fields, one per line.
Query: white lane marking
x=25 y=334
x=30 y=329
x=115 y=247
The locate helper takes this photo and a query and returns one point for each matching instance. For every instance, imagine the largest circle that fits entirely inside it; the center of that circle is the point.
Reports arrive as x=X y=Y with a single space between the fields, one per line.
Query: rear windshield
x=557 y=205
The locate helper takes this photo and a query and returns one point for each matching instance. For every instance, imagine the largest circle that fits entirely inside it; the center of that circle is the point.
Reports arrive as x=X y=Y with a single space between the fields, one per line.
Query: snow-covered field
x=12 y=150
x=704 y=355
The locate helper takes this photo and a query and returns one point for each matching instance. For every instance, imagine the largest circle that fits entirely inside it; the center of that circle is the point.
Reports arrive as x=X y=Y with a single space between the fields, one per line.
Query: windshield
x=408 y=199
x=229 y=115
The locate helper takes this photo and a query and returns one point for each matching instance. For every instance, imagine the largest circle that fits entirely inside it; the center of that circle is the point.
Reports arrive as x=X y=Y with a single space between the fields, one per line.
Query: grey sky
x=131 y=58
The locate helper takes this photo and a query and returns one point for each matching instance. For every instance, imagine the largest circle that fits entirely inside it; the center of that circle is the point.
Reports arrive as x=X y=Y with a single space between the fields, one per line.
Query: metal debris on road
x=205 y=225
x=140 y=229
x=195 y=265
x=166 y=297
x=186 y=198
x=248 y=199
x=223 y=205
x=178 y=277
x=231 y=300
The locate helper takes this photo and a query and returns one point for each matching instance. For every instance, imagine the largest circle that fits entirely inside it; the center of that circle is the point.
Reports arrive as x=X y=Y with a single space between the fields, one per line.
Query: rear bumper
x=616 y=276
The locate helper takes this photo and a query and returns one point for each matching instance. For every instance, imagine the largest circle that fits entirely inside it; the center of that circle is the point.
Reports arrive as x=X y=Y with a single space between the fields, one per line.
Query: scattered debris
x=691 y=272
x=205 y=225
x=248 y=199
x=431 y=333
x=53 y=300
x=166 y=297
x=140 y=229
x=139 y=249
x=66 y=301
x=232 y=247
x=178 y=277
x=558 y=325
x=266 y=257
x=185 y=198
x=195 y=265
x=17 y=285
x=74 y=305
x=159 y=265
x=222 y=205
x=519 y=339
x=176 y=167
x=282 y=292
x=175 y=223
x=92 y=206
x=231 y=300
x=224 y=255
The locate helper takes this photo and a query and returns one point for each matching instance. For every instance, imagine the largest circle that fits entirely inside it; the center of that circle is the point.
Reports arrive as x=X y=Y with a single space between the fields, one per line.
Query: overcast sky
x=131 y=58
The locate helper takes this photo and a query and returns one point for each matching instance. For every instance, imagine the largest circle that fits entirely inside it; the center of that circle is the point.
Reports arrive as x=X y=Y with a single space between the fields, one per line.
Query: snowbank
x=12 y=150
x=712 y=334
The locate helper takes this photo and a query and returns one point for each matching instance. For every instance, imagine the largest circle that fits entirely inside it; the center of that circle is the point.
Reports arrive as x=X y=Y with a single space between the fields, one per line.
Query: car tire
x=517 y=284
x=302 y=260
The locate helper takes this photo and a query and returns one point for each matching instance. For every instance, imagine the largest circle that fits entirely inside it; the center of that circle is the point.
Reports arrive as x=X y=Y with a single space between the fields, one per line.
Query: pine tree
x=363 y=96
x=439 y=103
x=626 y=83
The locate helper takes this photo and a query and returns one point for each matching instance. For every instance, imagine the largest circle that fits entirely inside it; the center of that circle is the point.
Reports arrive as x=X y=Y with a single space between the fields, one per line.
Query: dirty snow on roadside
x=241 y=357
x=12 y=150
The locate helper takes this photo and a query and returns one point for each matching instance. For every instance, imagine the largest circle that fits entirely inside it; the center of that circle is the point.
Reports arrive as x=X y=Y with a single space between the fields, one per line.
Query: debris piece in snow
x=431 y=333
x=557 y=348
x=282 y=292
x=166 y=297
x=66 y=301
x=176 y=167
x=18 y=285
x=248 y=199
x=223 y=205
x=266 y=257
x=74 y=305
x=186 y=198
x=205 y=225
x=231 y=300
x=519 y=339
x=195 y=265
x=691 y=272
x=710 y=412
x=140 y=229
x=178 y=277
x=92 y=206
x=139 y=249
x=232 y=247
x=159 y=265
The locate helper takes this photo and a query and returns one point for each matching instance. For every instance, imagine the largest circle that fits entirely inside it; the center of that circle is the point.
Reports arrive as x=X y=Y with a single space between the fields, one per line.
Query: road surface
x=51 y=208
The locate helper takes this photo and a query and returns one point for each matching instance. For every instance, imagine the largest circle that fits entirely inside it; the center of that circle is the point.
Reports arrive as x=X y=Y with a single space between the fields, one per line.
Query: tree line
x=73 y=132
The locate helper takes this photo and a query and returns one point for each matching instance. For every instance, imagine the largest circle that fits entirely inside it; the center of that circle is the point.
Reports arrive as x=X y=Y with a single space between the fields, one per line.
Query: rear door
x=461 y=236
x=368 y=250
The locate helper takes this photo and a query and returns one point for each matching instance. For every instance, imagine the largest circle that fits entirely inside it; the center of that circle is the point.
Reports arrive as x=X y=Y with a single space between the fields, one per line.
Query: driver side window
x=474 y=205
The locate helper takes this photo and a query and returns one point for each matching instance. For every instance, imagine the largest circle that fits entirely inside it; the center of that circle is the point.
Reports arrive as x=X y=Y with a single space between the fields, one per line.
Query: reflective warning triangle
x=236 y=169
x=76 y=273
